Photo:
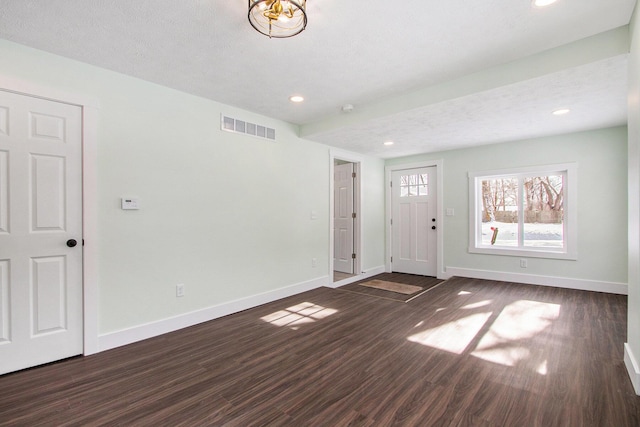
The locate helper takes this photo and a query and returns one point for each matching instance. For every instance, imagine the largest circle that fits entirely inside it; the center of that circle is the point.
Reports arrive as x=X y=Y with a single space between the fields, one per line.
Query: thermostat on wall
x=130 y=203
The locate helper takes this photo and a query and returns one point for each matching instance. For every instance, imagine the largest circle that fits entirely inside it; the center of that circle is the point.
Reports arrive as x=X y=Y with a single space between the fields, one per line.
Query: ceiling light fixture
x=347 y=108
x=296 y=98
x=278 y=18
x=543 y=3
x=388 y=143
x=561 y=112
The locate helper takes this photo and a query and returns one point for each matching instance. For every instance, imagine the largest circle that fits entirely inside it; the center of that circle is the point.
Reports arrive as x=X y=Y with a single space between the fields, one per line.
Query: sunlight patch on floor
x=506 y=342
x=542 y=369
x=298 y=315
x=453 y=336
x=477 y=305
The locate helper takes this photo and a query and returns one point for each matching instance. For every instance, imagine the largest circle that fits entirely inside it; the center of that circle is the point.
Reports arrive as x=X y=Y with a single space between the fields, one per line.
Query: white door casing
x=343 y=220
x=40 y=211
x=414 y=225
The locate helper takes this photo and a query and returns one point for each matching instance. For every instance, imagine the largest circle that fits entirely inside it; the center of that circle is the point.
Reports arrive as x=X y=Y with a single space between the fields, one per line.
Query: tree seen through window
x=523 y=211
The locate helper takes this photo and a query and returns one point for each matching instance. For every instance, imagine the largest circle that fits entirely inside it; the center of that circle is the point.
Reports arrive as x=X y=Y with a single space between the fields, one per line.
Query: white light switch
x=450 y=212
x=130 y=203
x=314 y=215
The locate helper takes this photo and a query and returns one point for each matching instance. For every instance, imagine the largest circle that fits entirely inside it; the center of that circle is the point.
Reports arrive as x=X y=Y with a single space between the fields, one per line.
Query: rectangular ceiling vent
x=230 y=124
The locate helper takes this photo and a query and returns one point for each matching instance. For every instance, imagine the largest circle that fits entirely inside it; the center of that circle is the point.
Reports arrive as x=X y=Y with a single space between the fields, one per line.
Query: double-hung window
x=524 y=212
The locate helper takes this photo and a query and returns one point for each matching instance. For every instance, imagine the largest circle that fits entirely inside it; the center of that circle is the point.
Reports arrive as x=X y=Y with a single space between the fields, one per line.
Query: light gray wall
x=373 y=206
x=633 y=335
x=602 y=202
x=227 y=215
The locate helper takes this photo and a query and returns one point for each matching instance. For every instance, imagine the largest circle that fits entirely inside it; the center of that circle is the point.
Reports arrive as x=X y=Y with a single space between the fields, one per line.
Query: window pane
x=500 y=212
x=414 y=185
x=543 y=211
x=522 y=212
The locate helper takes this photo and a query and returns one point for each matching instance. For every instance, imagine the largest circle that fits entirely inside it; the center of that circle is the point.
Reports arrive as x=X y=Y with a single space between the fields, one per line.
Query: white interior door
x=414 y=235
x=40 y=214
x=343 y=218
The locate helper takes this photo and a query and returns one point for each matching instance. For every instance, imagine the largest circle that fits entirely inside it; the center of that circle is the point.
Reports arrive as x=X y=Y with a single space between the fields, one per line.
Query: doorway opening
x=345 y=223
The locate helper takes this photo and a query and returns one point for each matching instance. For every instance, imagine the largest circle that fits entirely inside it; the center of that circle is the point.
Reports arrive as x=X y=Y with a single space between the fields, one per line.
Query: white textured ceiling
x=353 y=52
x=596 y=94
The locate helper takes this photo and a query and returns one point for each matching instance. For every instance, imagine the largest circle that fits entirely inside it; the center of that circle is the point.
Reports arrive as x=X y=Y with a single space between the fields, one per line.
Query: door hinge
x=391 y=259
x=390 y=183
x=353 y=256
x=391 y=221
x=353 y=174
x=353 y=215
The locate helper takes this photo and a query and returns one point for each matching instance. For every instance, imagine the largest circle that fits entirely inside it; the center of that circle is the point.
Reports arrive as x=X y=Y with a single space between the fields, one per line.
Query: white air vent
x=230 y=124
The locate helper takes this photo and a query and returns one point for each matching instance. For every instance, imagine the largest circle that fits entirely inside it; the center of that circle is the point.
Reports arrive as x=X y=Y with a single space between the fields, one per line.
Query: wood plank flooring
x=467 y=353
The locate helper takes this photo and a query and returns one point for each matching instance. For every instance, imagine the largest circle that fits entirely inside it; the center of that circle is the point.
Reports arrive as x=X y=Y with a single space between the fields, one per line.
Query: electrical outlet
x=523 y=263
x=314 y=262
x=180 y=290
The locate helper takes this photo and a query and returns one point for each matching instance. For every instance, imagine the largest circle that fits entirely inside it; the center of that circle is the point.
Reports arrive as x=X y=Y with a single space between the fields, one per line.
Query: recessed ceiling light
x=347 y=108
x=388 y=143
x=561 y=112
x=543 y=3
x=296 y=98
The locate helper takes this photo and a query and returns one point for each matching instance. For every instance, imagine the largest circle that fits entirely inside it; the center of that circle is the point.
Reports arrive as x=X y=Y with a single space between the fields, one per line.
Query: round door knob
x=72 y=243
x=433 y=228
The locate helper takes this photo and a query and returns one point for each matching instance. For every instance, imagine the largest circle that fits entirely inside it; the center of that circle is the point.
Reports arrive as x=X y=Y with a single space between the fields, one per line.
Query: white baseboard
x=153 y=329
x=632 y=368
x=364 y=275
x=532 y=279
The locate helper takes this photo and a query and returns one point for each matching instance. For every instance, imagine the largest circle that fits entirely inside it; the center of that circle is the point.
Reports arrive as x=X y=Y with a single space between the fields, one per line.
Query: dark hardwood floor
x=467 y=353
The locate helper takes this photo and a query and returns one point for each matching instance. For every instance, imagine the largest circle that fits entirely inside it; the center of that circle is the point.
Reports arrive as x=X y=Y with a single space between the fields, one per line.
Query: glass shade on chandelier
x=278 y=18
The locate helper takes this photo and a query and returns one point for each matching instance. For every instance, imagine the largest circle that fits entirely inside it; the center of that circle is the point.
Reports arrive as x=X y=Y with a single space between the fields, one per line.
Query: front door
x=343 y=218
x=40 y=220
x=414 y=225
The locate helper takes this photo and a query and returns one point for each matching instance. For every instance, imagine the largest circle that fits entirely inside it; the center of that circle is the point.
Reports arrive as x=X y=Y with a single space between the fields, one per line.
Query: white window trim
x=570 y=223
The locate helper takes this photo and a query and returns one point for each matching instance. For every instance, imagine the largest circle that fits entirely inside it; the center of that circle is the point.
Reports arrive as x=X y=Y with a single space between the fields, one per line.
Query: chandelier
x=278 y=18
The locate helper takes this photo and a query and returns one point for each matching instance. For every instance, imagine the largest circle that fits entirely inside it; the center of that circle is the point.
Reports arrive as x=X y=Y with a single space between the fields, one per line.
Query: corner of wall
x=633 y=315
x=632 y=368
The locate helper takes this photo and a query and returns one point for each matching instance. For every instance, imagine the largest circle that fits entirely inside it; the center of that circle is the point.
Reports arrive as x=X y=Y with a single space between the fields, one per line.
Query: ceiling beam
x=585 y=51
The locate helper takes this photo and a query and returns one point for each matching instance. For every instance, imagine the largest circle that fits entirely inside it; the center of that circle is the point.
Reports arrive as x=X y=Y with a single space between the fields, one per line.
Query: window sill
x=529 y=253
